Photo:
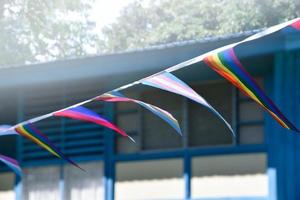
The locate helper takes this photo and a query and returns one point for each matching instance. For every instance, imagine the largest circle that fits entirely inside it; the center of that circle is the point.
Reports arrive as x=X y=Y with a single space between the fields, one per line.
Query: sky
x=106 y=11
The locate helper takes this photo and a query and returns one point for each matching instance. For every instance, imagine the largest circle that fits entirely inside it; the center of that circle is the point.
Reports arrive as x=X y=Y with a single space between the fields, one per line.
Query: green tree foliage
x=163 y=21
x=38 y=30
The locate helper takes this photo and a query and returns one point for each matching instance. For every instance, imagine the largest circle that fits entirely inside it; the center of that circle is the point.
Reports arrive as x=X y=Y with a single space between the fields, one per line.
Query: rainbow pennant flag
x=12 y=164
x=84 y=114
x=228 y=65
x=32 y=133
x=163 y=114
x=167 y=81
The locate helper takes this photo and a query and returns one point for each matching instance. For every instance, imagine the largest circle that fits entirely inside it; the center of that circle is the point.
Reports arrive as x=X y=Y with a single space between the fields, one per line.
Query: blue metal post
x=109 y=163
x=187 y=175
x=284 y=145
x=187 y=158
x=18 y=182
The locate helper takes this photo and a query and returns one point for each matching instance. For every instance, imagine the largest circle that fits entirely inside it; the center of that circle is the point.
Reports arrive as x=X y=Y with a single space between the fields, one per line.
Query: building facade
x=205 y=163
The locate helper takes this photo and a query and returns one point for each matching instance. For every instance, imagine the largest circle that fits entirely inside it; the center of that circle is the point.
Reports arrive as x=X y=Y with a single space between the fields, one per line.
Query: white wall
x=6 y=186
x=45 y=183
x=87 y=185
x=159 y=179
x=41 y=182
x=230 y=176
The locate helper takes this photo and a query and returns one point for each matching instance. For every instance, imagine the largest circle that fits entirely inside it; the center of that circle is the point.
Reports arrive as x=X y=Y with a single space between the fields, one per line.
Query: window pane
x=250 y=120
x=157 y=134
x=251 y=134
x=250 y=111
x=128 y=122
x=204 y=127
x=128 y=119
x=126 y=106
x=230 y=176
x=82 y=186
x=41 y=182
x=149 y=180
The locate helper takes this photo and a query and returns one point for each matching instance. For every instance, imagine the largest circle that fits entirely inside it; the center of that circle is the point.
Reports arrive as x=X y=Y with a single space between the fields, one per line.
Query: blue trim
x=56 y=161
x=201 y=151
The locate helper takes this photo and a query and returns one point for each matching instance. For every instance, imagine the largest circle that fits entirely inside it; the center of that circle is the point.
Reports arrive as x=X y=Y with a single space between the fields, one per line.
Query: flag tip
x=131 y=139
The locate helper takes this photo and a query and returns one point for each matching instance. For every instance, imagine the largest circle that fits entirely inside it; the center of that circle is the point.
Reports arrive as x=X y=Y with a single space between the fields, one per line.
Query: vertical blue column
x=284 y=145
x=109 y=163
x=18 y=188
x=269 y=138
x=18 y=182
x=187 y=175
x=187 y=158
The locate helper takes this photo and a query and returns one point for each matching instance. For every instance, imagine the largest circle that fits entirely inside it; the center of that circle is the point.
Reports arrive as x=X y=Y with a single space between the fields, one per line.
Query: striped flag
x=32 y=133
x=228 y=65
x=167 y=81
x=163 y=114
x=84 y=114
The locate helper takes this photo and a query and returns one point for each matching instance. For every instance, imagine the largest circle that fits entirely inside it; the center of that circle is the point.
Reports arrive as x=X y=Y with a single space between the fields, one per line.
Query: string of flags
x=223 y=61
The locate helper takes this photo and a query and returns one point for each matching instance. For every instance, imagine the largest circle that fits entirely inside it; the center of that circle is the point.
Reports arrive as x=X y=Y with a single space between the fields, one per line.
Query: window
x=128 y=119
x=74 y=137
x=156 y=134
x=205 y=129
x=250 y=119
x=149 y=131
